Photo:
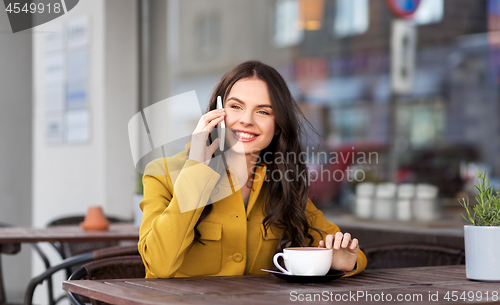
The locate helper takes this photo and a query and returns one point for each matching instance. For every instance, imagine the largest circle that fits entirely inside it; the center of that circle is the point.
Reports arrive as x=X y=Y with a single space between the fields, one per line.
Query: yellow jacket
x=234 y=239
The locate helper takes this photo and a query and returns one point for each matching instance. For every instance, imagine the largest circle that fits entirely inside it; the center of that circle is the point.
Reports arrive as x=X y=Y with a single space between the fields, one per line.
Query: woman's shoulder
x=162 y=166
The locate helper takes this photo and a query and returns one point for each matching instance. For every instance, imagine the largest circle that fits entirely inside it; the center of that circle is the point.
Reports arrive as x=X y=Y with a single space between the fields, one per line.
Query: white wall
x=121 y=103
x=68 y=178
x=15 y=148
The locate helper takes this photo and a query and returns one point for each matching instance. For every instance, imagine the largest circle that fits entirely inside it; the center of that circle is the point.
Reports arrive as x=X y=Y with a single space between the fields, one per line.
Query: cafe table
x=71 y=233
x=416 y=285
x=12 y=237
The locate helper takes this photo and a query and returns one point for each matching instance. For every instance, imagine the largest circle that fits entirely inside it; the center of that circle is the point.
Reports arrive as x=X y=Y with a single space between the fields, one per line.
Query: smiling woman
x=249 y=116
x=240 y=232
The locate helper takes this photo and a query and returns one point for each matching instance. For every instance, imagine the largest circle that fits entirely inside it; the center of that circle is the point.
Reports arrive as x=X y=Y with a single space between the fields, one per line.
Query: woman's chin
x=238 y=147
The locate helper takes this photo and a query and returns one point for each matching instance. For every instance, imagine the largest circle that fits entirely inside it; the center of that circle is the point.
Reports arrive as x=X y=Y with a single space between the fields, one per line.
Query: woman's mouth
x=244 y=136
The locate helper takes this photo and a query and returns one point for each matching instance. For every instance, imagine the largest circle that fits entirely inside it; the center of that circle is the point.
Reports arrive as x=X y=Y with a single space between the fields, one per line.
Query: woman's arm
x=342 y=257
x=170 y=212
x=172 y=209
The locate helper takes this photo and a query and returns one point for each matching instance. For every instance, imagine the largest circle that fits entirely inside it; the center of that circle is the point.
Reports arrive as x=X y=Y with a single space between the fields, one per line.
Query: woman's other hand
x=345 y=250
x=199 y=150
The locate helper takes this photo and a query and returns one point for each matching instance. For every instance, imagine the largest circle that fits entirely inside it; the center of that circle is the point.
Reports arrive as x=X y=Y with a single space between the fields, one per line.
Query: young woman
x=198 y=221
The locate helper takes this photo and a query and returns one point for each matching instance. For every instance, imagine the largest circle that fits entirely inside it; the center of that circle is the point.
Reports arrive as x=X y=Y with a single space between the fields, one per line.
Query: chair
x=412 y=255
x=72 y=249
x=123 y=267
x=77 y=260
x=12 y=249
x=6 y=249
x=66 y=250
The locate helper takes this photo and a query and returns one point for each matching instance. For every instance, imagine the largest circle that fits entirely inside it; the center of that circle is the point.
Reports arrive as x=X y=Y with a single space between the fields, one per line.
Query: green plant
x=139 y=186
x=487 y=210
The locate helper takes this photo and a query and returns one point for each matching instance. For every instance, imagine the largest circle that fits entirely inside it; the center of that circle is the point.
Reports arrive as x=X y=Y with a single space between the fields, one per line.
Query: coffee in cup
x=305 y=261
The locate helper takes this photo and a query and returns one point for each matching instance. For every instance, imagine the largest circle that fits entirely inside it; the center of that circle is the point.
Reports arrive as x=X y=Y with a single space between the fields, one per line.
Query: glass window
x=286 y=23
x=351 y=17
x=429 y=11
x=349 y=122
x=422 y=123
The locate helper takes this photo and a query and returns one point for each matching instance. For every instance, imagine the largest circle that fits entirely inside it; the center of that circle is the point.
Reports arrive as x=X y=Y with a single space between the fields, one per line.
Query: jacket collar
x=259 y=178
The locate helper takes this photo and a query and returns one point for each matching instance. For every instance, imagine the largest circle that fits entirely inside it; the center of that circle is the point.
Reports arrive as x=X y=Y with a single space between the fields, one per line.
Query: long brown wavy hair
x=286 y=199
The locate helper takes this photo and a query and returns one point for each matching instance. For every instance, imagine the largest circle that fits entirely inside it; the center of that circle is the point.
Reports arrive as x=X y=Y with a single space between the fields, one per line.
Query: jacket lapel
x=259 y=177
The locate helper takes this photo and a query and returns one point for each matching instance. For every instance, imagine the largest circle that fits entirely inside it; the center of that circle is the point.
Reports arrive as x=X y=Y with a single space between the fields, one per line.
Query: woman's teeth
x=244 y=135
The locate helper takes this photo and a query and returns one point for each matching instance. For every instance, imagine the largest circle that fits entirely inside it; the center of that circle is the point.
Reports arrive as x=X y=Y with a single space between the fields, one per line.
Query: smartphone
x=221 y=127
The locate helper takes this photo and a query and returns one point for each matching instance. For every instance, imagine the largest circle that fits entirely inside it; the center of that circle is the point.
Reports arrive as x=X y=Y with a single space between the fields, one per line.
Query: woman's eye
x=264 y=112
x=236 y=107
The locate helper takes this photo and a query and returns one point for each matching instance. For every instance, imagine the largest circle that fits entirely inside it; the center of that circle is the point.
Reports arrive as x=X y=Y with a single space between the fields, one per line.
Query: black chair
x=71 y=249
x=66 y=250
x=123 y=267
x=412 y=255
x=6 y=249
x=12 y=249
x=78 y=260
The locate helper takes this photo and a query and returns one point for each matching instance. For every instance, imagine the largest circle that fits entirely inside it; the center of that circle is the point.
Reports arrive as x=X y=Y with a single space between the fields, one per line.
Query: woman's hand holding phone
x=199 y=150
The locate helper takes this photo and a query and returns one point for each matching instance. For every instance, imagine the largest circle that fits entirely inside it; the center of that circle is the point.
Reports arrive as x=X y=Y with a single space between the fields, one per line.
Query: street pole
x=403 y=44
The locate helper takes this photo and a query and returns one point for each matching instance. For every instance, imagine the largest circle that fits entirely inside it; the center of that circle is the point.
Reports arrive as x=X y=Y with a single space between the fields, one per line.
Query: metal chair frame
x=75 y=261
x=43 y=257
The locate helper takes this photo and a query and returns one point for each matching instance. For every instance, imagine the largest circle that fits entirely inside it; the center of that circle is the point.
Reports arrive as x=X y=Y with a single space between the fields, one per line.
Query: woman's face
x=250 y=124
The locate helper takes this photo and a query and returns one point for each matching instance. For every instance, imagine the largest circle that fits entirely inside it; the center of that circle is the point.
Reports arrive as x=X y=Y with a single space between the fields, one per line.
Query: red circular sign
x=403 y=8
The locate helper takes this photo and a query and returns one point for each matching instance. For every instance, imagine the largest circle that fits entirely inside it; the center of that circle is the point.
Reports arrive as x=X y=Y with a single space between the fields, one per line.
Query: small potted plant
x=482 y=238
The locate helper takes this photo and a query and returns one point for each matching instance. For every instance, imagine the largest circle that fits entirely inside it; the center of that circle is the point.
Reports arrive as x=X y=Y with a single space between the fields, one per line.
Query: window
x=286 y=27
x=350 y=122
x=429 y=11
x=351 y=17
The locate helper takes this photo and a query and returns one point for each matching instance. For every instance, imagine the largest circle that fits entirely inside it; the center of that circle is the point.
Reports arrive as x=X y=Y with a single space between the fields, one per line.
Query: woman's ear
x=277 y=132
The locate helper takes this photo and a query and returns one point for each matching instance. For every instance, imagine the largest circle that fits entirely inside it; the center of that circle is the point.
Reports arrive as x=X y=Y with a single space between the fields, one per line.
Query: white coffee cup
x=305 y=261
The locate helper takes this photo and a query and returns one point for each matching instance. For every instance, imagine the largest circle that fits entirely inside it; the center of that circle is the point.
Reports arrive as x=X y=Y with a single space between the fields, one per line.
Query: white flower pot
x=482 y=252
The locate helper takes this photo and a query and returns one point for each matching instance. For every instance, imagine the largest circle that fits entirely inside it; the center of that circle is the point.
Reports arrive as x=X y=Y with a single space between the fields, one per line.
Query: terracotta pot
x=95 y=220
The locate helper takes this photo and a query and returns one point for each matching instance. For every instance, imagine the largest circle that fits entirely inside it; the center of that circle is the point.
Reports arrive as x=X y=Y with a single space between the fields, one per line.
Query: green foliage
x=140 y=187
x=487 y=210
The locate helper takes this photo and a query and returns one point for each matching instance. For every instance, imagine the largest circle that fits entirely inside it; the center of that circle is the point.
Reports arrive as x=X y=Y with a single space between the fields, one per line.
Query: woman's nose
x=246 y=118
